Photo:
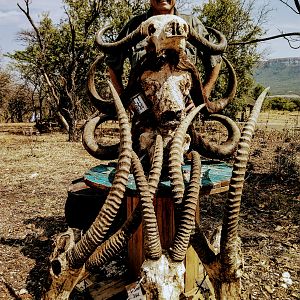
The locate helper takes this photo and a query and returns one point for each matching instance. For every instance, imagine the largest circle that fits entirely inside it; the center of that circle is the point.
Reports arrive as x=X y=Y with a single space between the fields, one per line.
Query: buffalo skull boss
x=166 y=32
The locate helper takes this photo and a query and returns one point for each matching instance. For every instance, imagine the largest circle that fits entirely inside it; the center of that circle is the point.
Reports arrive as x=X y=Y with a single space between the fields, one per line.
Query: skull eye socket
x=151 y=29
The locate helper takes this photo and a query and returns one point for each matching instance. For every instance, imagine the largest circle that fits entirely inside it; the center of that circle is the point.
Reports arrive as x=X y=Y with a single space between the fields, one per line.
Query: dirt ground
x=37 y=170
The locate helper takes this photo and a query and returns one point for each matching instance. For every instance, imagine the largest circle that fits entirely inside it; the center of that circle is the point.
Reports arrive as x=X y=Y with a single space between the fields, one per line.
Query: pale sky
x=12 y=20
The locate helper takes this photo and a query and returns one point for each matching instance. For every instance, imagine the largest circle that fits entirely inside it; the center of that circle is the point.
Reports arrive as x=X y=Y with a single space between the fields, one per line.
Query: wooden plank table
x=215 y=177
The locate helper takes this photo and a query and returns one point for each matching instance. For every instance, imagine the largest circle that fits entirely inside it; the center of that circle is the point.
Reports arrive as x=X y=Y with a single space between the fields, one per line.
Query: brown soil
x=37 y=170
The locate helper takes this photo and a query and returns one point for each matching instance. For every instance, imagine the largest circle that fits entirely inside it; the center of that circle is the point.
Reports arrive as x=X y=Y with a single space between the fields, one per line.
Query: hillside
x=281 y=74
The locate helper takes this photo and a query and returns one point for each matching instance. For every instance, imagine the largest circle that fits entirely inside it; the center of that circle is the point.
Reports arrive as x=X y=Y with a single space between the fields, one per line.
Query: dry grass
x=37 y=170
x=280 y=120
x=35 y=174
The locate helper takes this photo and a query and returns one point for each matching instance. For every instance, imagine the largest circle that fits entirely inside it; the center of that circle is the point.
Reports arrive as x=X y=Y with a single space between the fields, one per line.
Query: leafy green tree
x=57 y=57
x=234 y=18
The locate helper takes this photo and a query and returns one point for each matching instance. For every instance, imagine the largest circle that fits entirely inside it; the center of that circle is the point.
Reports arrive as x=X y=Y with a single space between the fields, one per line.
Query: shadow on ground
x=39 y=248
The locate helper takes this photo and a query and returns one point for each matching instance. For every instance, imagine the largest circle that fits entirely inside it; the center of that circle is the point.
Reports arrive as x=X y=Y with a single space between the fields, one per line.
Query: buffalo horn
x=131 y=39
x=216 y=106
x=204 y=45
x=212 y=150
x=102 y=152
x=105 y=106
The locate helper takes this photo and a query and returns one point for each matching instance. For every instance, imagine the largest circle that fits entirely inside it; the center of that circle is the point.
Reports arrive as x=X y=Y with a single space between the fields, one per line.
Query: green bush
x=280 y=103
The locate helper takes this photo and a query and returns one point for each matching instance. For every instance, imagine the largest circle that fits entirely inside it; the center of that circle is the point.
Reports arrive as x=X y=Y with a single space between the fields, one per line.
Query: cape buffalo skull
x=169 y=84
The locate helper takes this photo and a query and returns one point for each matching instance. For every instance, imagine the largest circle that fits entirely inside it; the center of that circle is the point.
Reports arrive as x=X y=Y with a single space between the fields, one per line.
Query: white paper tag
x=139 y=104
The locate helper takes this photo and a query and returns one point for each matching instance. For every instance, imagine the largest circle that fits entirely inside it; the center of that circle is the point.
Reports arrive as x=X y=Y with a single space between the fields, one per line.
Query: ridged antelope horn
x=118 y=240
x=131 y=39
x=218 y=105
x=111 y=247
x=176 y=151
x=102 y=152
x=153 y=248
x=156 y=166
x=79 y=254
x=104 y=106
x=212 y=150
x=201 y=43
x=232 y=207
x=187 y=215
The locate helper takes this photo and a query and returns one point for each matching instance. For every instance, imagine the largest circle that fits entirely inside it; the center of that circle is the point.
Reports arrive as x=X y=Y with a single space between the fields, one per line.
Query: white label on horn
x=139 y=104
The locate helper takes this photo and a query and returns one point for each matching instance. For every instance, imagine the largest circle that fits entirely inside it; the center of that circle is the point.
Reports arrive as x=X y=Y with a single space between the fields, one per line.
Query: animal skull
x=166 y=32
x=167 y=90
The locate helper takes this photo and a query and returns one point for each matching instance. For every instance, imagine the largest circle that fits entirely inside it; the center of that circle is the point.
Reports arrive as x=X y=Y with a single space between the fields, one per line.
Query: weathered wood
x=215 y=177
x=192 y=265
x=108 y=289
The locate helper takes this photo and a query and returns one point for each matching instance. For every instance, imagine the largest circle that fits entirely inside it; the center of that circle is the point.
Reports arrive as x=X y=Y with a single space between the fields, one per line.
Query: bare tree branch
x=297 y=4
x=290 y=41
x=283 y=35
x=27 y=14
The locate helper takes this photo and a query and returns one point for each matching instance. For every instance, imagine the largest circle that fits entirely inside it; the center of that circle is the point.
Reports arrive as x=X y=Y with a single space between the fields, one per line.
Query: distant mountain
x=281 y=74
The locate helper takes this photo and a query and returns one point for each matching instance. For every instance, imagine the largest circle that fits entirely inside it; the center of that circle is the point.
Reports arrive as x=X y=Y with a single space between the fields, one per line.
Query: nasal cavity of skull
x=151 y=29
x=56 y=267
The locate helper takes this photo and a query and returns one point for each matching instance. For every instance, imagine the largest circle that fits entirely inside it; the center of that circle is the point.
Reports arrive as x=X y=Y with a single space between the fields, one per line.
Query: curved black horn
x=213 y=150
x=105 y=106
x=102 y=152
x=216 y=106
x=131 y=39
x=201 y=43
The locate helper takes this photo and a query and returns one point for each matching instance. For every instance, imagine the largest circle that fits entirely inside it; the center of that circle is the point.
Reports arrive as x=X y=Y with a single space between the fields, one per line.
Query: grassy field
x=280 y=120
x=37 y=170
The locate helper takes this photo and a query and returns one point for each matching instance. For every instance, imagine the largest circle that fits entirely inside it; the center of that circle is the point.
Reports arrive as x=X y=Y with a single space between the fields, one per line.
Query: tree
x=57 y=57
x=16 y=100
x=234 y=19
x=293 y=38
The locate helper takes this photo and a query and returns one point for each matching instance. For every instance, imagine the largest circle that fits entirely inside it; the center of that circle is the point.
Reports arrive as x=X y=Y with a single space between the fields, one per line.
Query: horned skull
x=170 y=84
x=167 y=91
x=165 y=32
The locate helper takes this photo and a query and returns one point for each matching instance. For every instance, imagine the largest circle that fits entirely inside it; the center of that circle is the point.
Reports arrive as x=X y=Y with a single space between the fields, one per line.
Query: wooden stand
x=215 y=179
x=164 y=209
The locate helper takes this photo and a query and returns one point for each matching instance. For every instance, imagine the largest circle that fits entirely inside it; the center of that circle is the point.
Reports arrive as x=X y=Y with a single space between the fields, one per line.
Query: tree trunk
x=73 y=132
